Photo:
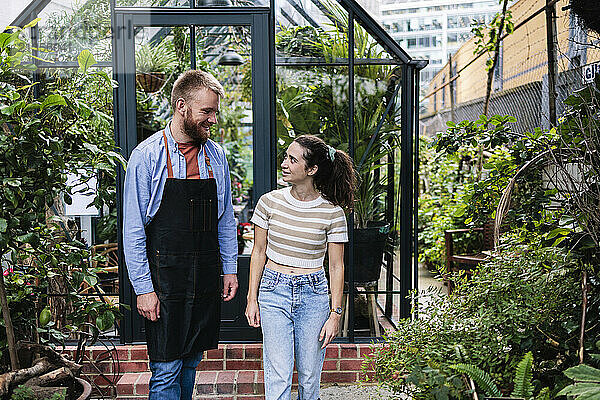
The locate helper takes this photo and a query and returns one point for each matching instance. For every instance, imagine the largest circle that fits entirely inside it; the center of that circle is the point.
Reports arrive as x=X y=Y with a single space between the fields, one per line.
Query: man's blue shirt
x=144 y=183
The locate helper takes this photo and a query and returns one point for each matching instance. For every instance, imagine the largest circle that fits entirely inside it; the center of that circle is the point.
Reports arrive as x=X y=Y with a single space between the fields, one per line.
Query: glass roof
x=69 y=26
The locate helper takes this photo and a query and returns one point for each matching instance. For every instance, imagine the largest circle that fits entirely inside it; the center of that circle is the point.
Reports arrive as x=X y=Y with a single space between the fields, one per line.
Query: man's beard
x=194 y=131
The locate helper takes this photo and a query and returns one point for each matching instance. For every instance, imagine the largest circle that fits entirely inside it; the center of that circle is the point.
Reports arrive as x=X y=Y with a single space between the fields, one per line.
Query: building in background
x=434 y=29
x=521 y=86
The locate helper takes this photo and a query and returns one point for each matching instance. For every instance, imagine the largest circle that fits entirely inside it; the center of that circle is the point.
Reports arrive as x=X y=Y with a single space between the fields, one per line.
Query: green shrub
x=526 y=299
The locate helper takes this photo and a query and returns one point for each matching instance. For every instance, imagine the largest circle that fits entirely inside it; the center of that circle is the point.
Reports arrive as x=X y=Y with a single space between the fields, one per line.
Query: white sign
x=590 y=71
x=83 y=192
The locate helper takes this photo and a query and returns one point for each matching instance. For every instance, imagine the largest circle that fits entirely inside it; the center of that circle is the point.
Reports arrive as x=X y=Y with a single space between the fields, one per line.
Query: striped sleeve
x=260 y=217
x=338 y=229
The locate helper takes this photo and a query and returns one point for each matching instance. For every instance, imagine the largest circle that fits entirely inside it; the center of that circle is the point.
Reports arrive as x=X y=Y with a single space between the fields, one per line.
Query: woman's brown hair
x=335 y=178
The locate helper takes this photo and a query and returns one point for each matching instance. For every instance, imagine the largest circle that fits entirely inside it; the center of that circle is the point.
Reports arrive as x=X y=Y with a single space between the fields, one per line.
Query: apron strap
x=208 y=166
x=170 y=166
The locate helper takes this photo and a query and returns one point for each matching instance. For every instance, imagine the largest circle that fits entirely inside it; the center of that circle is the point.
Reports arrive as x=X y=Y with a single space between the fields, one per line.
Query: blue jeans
x=293 y=309
x=173 y=380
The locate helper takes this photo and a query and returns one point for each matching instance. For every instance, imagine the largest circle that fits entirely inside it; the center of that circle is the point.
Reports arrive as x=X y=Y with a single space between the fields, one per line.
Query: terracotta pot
x=150 y=82
x=87 y=389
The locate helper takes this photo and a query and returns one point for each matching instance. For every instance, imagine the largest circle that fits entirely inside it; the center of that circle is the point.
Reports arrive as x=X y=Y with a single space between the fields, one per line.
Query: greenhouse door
x=200 y=38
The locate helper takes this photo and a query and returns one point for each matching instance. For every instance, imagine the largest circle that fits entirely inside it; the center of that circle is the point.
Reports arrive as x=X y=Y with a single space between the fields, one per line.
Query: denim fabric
x=173 y=380
x=293 y=309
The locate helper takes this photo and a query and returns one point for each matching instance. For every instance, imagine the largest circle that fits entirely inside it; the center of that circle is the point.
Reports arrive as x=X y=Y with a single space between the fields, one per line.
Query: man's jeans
x=293 y=309
x=173 y=380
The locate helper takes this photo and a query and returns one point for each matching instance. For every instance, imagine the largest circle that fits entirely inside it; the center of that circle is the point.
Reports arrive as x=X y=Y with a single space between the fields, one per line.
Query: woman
x=288 y=290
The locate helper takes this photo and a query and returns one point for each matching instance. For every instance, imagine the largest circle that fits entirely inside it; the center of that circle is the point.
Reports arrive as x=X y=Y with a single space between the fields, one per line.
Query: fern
x=481 y=378
x=523 y=376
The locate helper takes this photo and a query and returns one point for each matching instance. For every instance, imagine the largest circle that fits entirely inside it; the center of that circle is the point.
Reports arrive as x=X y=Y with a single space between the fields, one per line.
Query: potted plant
x=152 y=61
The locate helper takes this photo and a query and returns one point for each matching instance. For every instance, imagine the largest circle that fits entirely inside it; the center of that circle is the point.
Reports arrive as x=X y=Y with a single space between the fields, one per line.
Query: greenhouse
x=286 y=72
x=464 y=262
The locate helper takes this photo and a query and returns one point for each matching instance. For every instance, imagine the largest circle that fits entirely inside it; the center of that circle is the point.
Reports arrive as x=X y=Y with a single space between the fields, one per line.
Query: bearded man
x=179 y=234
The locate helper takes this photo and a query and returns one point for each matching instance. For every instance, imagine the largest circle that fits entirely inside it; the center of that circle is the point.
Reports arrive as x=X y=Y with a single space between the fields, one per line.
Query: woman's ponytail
x=335 y=178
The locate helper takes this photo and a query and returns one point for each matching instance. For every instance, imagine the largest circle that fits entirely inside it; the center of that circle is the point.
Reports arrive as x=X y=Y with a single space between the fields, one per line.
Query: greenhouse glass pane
x=152 y=3
x=216 y=46
x=312 y=100
x=11 y=10
x=309 y=28
x=367 y=48
x=375 y=134
x=197 y=3
x=161 y=54
x=233 y=130
x=68 y=27
x=236 y=3
x=215 y=43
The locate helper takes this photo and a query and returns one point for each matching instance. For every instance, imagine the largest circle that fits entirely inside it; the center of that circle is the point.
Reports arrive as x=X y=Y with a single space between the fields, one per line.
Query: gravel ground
x=352 y=392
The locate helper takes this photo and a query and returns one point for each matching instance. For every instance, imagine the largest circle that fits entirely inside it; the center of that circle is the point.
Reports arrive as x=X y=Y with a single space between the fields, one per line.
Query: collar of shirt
x=178 y=159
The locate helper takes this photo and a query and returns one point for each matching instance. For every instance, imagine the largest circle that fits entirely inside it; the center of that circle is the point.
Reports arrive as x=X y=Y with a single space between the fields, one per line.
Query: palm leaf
x=483 y=380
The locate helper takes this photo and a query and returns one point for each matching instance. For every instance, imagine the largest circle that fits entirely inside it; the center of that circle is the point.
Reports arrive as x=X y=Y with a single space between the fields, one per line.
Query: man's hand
x=148 y=306
x=230 y=286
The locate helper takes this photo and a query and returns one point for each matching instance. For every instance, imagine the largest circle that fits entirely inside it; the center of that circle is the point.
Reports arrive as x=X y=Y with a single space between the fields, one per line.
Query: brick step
x=221 y=385
x=127 y=366
x=209 y=384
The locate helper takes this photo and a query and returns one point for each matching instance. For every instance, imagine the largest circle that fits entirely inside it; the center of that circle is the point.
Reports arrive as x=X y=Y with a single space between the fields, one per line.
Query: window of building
x=452 y=38
x=443 y=92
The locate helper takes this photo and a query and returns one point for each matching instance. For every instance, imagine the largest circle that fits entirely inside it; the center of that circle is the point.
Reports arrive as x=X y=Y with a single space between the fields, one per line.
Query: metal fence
x=548 y=49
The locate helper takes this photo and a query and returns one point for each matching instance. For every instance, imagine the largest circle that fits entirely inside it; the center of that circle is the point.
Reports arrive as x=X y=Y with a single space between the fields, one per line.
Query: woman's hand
x=253 y=313
x=330 y=329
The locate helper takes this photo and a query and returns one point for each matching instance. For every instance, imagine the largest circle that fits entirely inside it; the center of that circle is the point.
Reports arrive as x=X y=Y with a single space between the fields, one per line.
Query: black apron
x=185 y=264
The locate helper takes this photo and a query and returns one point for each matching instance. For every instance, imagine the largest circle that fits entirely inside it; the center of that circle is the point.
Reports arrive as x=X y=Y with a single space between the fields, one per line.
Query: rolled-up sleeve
x=227 y=228
x=136 y=195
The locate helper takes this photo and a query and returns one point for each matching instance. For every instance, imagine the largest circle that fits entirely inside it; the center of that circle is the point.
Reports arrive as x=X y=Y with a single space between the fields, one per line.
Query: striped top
x=298 y=231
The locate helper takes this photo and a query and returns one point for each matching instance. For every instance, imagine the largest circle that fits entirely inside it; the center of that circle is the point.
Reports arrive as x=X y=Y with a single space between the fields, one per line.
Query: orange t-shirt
x=190 y=152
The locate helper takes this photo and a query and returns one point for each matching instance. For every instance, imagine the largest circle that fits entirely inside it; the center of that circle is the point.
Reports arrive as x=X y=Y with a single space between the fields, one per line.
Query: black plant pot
x=369 y=246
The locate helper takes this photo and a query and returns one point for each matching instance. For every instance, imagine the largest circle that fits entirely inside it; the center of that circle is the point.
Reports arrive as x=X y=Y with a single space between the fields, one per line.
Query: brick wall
x=234 y=366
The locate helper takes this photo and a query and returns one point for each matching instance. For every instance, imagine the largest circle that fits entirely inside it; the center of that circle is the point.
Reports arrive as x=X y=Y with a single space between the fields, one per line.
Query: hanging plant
x=152 y=62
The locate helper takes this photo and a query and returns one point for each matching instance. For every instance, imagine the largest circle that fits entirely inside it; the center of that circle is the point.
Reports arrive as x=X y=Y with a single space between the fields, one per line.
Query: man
x=179 y=229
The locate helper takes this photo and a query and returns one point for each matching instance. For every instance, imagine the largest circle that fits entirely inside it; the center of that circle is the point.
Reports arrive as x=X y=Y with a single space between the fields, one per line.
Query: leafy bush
x=465 y=171
x=65 y=128
x=445 y=180
x=525 y=299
